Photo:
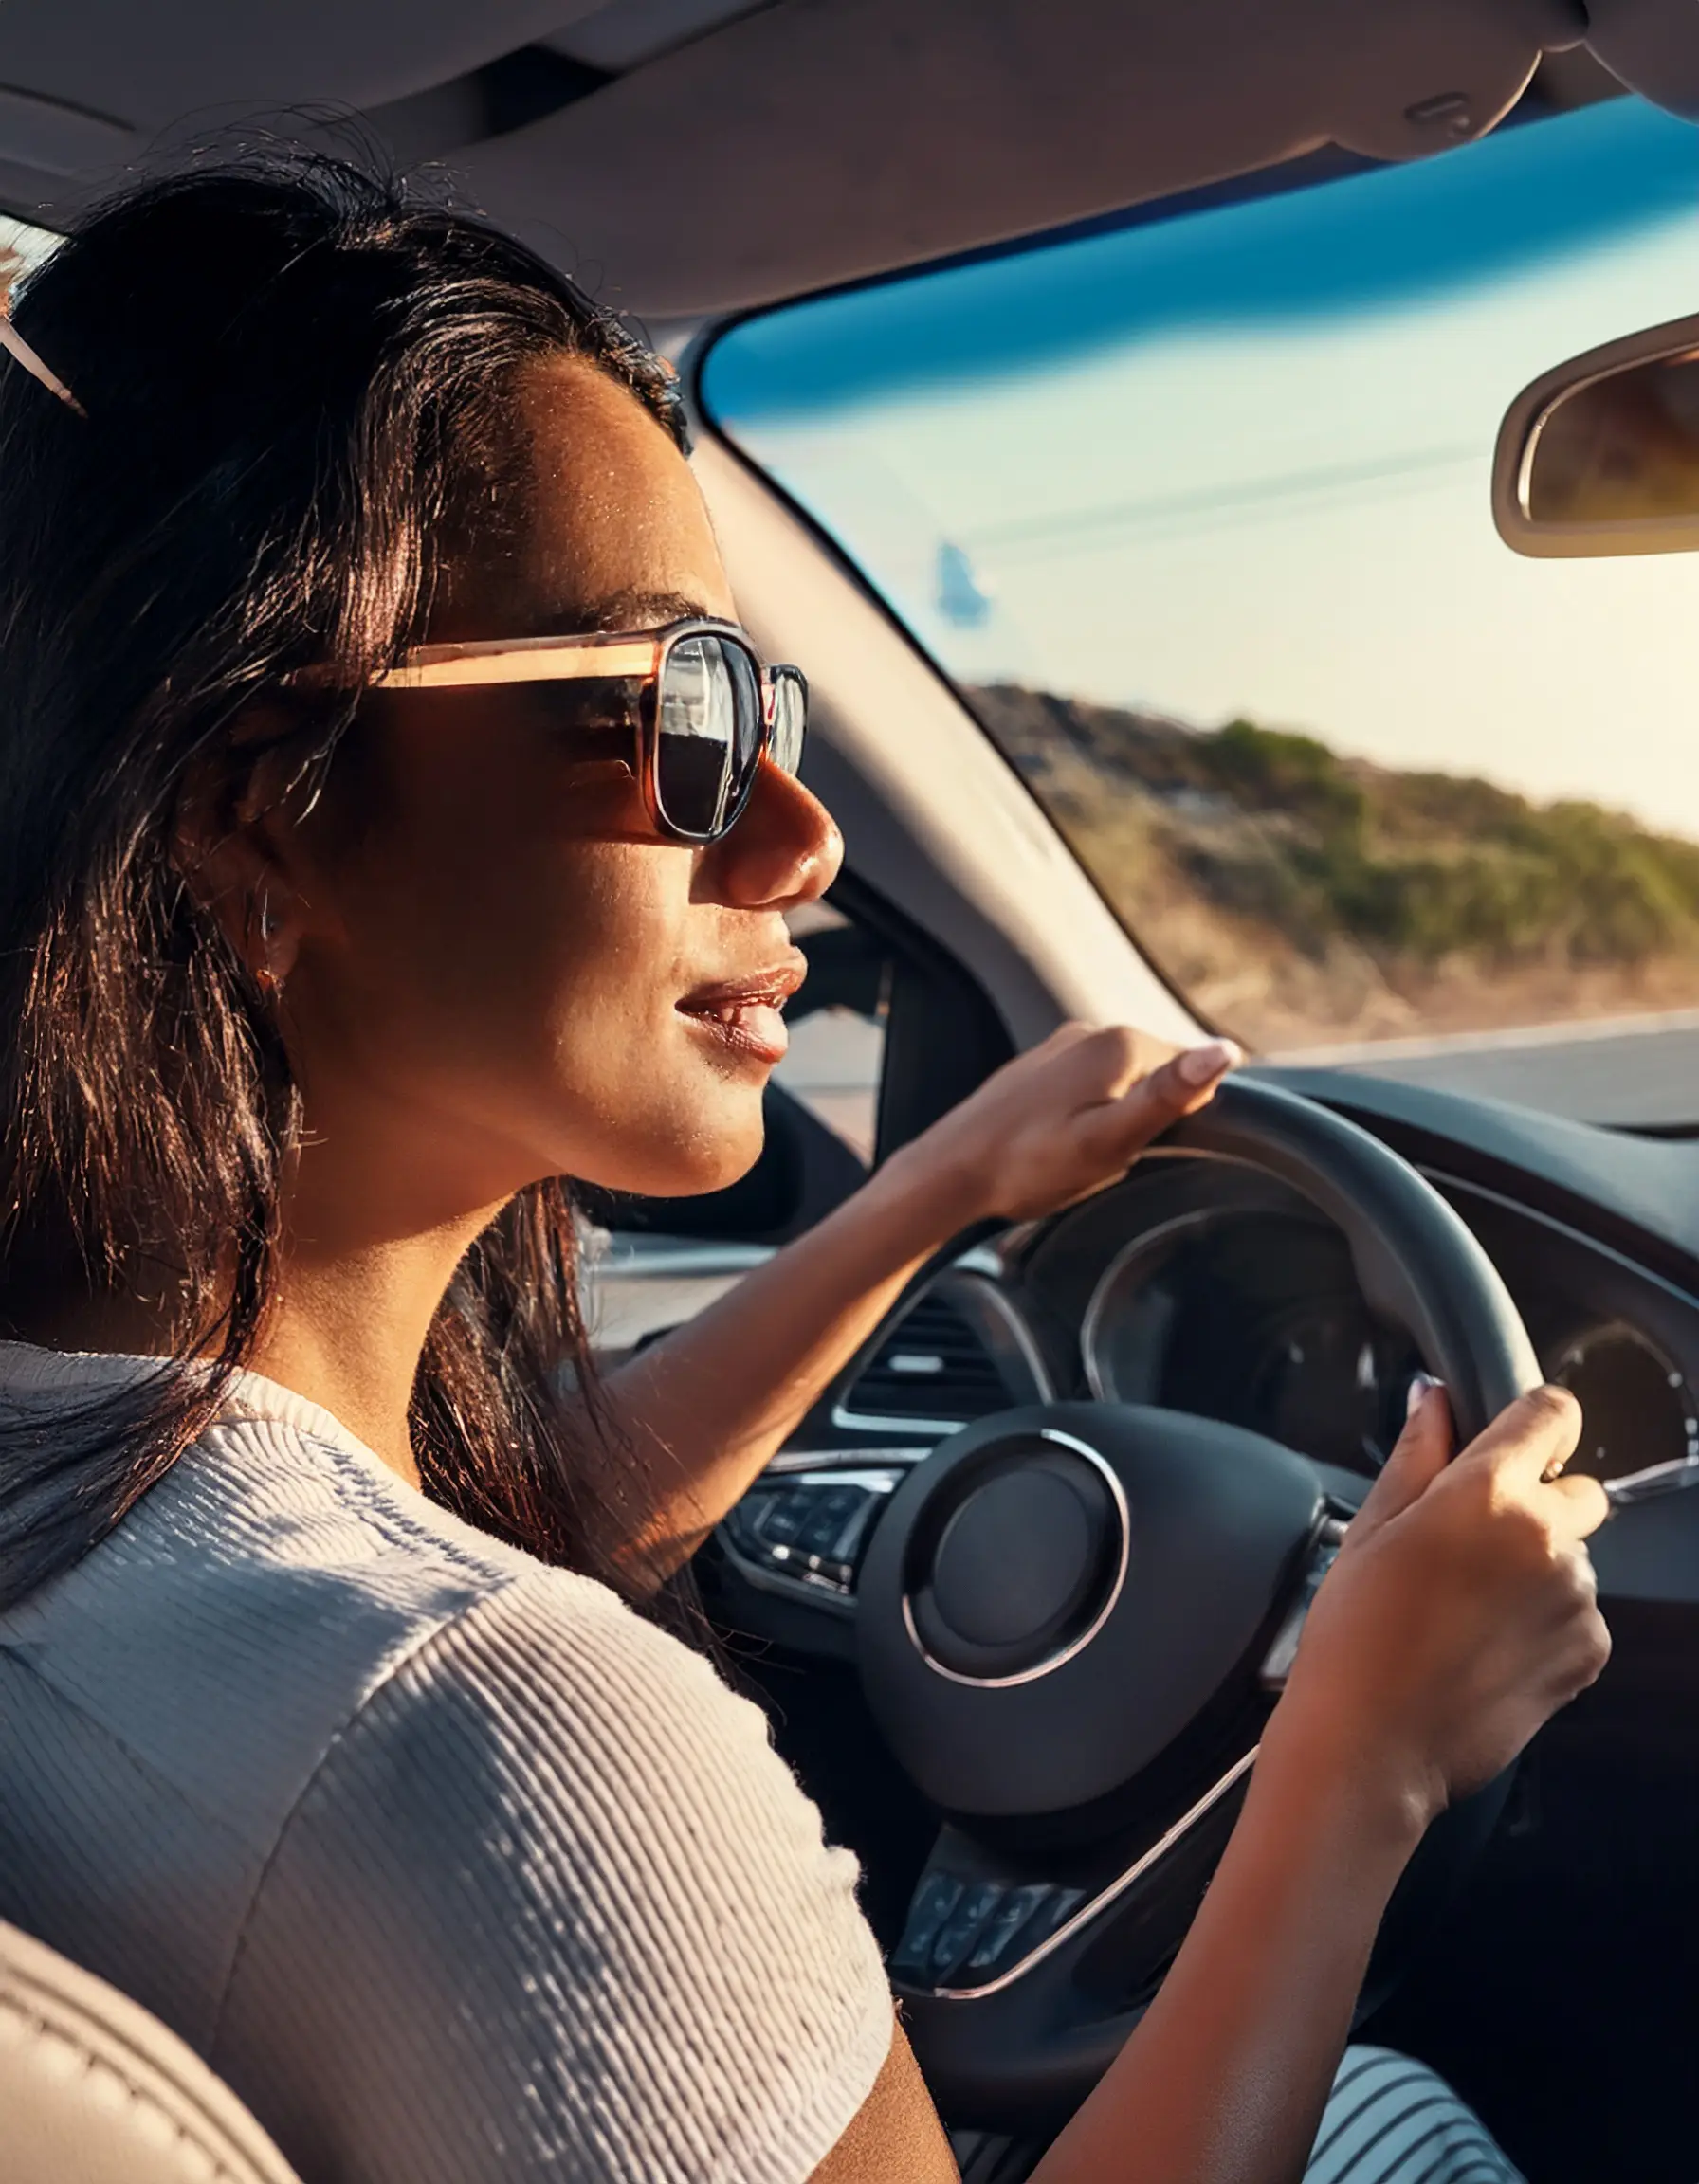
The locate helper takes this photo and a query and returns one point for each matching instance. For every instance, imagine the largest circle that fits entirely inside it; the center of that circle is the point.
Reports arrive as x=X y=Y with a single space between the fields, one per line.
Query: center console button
x=1001 y=1931
x=830 y=1512
x=787 y=1514
x=961 y=1929
x=934 y=1901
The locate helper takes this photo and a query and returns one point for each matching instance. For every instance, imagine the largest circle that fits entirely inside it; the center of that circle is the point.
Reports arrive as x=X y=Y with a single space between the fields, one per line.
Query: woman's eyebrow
x=622 y=610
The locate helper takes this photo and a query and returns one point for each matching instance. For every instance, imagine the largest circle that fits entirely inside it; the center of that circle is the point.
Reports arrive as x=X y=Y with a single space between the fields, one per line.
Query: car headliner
x=695 y=156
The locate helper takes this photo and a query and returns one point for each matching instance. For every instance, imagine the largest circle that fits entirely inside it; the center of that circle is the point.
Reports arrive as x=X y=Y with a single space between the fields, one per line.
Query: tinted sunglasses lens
x=709 y=735
x=790 y=717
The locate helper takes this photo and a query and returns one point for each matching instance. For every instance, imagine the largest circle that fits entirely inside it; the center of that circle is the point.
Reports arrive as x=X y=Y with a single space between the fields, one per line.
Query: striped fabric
x=1390 y=2121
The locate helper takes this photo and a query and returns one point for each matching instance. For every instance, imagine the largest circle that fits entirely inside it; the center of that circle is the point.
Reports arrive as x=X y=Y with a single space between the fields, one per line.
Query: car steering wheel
x=1071 y=1619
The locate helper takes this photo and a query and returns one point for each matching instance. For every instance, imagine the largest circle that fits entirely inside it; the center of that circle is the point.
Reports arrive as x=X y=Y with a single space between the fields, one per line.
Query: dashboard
x=1223 y=1295
x=1204 y=1287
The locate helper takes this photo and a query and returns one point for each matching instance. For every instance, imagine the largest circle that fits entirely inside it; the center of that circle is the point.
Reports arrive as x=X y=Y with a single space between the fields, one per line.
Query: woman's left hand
x=1062 y=1120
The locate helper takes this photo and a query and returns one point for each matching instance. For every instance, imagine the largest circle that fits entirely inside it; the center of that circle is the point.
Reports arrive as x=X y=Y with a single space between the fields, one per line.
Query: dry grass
x=1264 y=902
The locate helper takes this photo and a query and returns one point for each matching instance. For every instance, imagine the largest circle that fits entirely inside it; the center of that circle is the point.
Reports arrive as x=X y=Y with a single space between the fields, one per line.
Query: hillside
x=1299 y=897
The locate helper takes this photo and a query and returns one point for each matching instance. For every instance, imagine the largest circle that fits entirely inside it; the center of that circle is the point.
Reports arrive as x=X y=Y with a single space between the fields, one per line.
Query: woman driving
x=396 y=821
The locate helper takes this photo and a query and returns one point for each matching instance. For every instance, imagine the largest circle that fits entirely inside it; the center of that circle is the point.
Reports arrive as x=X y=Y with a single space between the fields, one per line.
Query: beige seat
x=95 y=2091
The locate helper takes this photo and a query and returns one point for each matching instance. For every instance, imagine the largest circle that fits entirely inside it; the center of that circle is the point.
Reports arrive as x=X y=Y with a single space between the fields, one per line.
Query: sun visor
x=810 y=144
x=1653 y=46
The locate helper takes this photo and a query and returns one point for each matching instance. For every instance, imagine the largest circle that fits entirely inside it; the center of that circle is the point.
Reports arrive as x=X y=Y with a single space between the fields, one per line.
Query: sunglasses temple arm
x=12 y=341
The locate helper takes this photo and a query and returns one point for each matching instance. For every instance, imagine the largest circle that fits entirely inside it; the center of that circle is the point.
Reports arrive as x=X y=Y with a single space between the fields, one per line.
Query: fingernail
x=1203 y=1064
x=1416 y=1394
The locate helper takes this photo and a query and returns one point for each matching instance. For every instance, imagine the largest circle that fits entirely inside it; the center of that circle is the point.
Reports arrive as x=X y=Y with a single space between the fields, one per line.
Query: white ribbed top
x=457 y=1871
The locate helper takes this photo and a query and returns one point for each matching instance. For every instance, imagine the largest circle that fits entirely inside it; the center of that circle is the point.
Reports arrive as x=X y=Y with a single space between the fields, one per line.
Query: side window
x=838 y=1026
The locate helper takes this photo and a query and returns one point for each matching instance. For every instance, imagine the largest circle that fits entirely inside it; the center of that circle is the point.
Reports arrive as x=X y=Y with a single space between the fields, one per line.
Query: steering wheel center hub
x=1018 y=1559
x=1056 y=1595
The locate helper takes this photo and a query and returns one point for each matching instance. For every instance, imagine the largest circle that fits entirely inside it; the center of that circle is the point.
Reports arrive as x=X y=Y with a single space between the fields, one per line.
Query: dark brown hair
x=282 y=364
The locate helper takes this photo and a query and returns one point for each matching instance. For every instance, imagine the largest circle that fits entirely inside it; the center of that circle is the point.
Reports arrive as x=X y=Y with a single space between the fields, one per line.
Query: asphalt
x=1634 y=1070
x=1622 y=1070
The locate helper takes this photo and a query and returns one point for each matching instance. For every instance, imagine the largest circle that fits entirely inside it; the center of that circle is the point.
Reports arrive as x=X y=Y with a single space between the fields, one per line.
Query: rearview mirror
x=1601 y=455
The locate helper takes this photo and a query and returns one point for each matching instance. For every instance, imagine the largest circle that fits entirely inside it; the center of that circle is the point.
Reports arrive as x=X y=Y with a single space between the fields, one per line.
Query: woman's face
x=501 y=972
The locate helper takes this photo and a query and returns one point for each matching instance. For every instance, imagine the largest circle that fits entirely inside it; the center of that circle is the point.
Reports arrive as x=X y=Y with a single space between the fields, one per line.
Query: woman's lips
x=742 y=1016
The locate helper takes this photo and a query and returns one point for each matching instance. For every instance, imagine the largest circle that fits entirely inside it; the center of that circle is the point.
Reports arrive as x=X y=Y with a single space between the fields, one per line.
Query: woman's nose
x=784 y=850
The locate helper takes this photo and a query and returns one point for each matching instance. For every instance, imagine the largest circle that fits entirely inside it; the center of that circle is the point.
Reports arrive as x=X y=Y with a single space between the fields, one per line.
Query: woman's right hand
x=1460 y=1614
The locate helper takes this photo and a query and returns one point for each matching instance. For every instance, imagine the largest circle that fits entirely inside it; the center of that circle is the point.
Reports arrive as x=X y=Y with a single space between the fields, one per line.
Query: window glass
x=1195 y=510
x=837 y=1027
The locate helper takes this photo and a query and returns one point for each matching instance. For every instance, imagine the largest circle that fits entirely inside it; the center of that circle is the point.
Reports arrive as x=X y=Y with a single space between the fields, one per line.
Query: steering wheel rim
x=1437 y=1283
x=1021 y=2048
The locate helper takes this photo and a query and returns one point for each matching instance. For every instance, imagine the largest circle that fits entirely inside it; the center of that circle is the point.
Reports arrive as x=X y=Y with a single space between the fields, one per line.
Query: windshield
x=1194 y=511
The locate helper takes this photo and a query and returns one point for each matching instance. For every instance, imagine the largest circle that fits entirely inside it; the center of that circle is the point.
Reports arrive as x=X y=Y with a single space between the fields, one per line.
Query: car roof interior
x=697 y=156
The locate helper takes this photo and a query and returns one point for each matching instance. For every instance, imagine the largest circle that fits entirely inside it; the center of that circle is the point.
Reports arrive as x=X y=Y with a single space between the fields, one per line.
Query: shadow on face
x=498 y=970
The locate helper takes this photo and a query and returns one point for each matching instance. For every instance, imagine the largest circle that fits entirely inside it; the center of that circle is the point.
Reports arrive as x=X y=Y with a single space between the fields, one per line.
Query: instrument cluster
x=1217 y=1292
x=1254 y=1319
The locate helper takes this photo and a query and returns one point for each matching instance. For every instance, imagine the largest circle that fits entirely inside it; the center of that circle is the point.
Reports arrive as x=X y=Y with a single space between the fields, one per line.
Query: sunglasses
x=708 y=711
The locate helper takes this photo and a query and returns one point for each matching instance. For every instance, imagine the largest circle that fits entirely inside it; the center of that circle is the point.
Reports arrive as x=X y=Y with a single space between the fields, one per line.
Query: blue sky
x=1386 y=238
x=1237 y=462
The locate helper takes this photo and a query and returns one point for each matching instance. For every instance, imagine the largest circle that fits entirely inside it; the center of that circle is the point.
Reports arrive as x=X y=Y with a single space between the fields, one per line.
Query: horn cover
x=1054 y=1595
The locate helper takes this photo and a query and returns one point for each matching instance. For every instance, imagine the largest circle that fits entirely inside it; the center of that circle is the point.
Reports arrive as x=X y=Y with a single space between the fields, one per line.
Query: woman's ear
x=233 y=842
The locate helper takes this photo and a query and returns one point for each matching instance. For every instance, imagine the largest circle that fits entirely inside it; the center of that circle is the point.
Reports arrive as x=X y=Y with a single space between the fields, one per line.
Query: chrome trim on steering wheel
x=1105 y=1897
x=1125 y=1519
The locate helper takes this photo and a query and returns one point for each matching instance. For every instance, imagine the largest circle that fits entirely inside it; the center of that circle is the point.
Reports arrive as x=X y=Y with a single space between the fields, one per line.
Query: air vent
x=932 y=1365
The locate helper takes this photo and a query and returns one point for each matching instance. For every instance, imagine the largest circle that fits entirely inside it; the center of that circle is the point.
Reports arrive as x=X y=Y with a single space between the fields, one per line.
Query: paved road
x=1630 y=1069
x=1623 y=1070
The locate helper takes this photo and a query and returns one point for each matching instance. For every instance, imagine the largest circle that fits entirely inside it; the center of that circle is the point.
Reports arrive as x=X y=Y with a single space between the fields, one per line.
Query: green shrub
x=1419 y=866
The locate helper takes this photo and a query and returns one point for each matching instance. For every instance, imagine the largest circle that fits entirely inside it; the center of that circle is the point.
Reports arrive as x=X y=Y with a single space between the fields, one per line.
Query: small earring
x=265 y=972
